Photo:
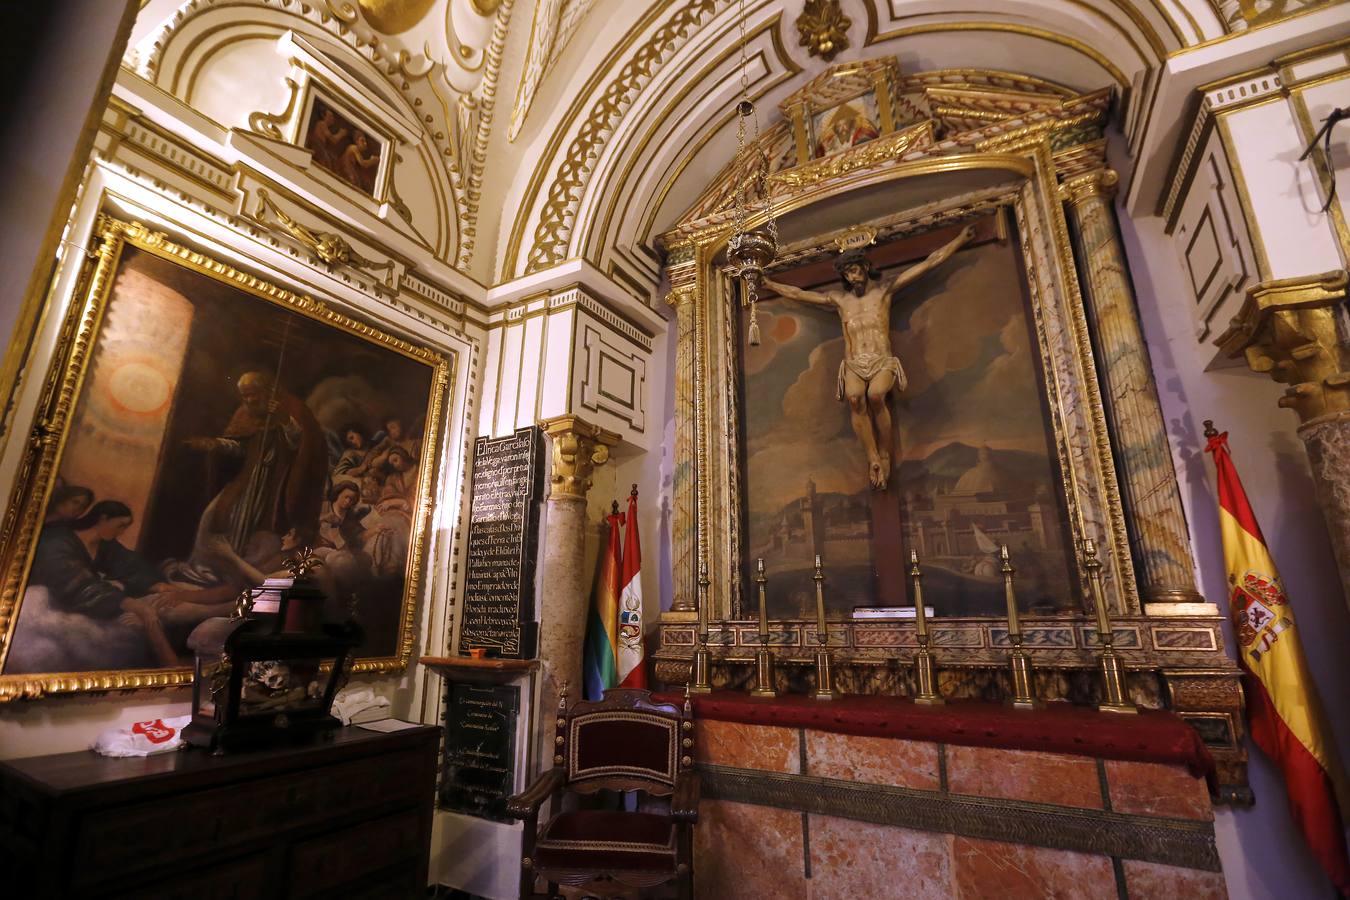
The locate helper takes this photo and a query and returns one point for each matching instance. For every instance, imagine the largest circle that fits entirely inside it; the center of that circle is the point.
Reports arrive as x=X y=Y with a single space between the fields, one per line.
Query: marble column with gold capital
x=1293 y=330
x=682 y=273
x=578 y=447
x=1159 y=540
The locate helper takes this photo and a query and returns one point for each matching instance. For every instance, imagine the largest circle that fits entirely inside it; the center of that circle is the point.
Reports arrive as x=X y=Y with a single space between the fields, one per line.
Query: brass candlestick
x=702 y=659
x=1114 y=697
x=763 y=658
x=824 y=667
x=1019 y=661
x=926 y=693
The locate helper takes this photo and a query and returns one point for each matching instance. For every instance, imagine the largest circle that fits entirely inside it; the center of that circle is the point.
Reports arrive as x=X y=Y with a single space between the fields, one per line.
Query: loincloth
x=867 y=368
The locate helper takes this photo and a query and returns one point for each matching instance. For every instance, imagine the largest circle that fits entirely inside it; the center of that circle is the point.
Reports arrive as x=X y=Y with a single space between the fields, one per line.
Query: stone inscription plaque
x=508 y=481
x=478 y=768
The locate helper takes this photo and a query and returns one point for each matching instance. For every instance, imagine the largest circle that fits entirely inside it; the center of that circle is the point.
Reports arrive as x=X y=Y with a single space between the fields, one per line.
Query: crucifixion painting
x=870 y=370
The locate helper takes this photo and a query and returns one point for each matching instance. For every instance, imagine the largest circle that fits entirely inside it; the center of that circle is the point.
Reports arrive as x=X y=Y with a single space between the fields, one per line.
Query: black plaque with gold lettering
x=478 y=768
x=508 y=480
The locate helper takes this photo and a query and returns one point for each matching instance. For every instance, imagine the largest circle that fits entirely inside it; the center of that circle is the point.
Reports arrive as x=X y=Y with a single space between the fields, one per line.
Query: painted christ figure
x=870 y=369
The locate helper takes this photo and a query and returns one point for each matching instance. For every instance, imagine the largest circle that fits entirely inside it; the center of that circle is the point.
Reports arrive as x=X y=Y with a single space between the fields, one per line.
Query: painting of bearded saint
x=846 y=125
x=974 y=465
x=214 y=434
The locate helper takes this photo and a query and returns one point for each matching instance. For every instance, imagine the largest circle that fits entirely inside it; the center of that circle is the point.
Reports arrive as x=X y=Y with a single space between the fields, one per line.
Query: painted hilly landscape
x=974 y=467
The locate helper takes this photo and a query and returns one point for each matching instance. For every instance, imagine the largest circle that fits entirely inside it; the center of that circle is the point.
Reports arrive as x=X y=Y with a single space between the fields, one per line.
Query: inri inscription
x=508 y=480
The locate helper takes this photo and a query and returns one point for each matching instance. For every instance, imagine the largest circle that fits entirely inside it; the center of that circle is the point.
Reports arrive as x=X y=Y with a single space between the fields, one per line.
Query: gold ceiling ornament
x=822 y=29
x=394 y=16
x=485 y=7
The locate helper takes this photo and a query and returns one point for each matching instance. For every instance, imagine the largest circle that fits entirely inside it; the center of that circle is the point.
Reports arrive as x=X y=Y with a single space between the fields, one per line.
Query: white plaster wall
x=1263 y=855
x=1265 y=148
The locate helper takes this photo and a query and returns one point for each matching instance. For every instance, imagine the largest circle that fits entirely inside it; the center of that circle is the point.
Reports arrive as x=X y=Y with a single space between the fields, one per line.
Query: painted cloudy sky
x=962 y=336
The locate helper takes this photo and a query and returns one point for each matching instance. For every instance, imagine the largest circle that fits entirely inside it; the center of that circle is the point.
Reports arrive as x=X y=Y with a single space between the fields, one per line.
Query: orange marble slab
x=852 y=860
x=983 y=870
x=744 y=852
x=1154 y=881
x=1024 y=775
x=1153 y=789
x=765 y=747
x=873 y=760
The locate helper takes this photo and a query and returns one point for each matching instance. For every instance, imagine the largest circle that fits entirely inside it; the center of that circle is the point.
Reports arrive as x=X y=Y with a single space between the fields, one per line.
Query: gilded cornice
x=1077 y=117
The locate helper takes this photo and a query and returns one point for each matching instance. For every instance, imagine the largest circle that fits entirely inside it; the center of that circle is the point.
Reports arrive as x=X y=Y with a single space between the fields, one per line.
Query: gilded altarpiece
x=962 y=148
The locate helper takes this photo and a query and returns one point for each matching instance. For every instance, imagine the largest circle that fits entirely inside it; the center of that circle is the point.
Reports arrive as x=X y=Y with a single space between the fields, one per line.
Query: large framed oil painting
x=973 y=462
x=199 y=426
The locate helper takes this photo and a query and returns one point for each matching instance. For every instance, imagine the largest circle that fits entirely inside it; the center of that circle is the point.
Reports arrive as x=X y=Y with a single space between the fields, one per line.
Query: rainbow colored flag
x=599 y=657
x=1283 y=708
x=632 y=673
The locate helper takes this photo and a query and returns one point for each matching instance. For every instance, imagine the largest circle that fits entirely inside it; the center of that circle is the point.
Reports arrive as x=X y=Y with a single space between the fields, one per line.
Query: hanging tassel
x=754 y=328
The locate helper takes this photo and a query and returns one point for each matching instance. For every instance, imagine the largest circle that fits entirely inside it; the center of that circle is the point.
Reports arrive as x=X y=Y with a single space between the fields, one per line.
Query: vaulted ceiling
x=584 y=128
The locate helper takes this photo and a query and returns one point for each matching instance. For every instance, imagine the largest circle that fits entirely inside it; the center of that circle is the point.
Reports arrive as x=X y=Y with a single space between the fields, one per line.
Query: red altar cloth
x=1151 y=736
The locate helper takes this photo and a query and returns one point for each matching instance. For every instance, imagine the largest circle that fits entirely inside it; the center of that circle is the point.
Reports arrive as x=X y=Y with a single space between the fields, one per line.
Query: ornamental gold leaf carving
x=822 y=29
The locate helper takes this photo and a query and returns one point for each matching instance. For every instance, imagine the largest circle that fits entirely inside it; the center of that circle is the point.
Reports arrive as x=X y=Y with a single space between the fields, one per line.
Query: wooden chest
x=346 y=816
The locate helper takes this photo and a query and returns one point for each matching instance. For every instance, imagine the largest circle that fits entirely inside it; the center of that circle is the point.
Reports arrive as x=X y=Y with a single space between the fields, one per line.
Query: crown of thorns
x=855 y=257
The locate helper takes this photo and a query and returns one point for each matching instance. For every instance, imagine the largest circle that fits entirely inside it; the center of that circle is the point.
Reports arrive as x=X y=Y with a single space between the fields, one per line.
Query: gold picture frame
x=73 y=357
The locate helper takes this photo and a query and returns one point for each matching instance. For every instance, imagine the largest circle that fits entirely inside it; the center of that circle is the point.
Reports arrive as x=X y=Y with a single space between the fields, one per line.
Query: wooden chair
x=624 y=742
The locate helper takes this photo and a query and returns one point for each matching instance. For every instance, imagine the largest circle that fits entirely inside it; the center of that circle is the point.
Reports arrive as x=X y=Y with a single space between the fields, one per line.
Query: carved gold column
x=578 y=447
x=1159 y=540
x=682 y=272
x=1294 y=330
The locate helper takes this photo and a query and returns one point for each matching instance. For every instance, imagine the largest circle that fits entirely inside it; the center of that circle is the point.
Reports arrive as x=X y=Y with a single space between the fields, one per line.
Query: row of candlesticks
x=1114 y=697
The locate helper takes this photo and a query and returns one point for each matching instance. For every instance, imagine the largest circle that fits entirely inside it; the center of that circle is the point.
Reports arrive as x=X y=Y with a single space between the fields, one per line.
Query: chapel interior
x=675 y=448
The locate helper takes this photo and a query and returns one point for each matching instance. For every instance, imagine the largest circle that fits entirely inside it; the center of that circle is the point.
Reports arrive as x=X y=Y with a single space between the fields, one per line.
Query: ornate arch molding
x=454 y=127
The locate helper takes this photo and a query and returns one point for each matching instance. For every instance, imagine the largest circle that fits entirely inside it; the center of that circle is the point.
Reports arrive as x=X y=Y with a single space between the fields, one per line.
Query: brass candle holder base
x=927 y=694
x=1020 y=664
x=1114 y=698
x=700 y=669
x=824 y=676
x=763 y=674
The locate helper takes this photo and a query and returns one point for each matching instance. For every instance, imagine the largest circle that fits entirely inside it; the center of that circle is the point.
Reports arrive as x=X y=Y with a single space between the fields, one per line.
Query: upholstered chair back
x=624 y=742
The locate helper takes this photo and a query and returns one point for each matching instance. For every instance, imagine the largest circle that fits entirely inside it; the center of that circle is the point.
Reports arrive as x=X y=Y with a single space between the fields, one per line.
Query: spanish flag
x=599 y=658
x=1283 y=709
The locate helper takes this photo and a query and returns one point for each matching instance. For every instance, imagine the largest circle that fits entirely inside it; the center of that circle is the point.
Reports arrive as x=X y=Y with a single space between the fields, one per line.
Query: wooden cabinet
x=345 y=816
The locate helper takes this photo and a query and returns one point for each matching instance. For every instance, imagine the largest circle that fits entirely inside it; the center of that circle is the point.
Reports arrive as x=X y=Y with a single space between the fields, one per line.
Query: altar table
x=876 y=796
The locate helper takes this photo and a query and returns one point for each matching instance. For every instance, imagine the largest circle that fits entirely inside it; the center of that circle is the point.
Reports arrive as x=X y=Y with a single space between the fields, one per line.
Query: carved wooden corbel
x=578 y=447
x=1290 y=329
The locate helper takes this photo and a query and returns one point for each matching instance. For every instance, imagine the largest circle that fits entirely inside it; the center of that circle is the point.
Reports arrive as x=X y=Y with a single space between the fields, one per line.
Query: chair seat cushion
x=593 y=840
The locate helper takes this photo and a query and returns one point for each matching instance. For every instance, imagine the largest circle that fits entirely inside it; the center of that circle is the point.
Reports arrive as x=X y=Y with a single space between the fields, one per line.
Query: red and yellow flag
x=1283 y=709
x=632 y=673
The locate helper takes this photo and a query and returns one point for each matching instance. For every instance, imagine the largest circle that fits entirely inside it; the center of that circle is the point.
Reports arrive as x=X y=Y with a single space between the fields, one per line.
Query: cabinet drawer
x=238 y=879
x=329 y=861
x=120 y=840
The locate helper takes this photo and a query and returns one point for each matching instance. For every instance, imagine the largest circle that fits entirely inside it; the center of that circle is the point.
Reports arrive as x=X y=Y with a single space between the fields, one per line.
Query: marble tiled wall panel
x=1024 y=775
x=747 y=850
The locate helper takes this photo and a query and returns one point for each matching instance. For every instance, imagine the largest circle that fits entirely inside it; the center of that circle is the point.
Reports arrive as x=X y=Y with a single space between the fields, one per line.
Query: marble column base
x=1327 y=440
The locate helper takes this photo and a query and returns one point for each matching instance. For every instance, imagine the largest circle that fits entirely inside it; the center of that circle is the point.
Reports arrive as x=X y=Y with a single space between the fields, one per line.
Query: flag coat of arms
x=632 y=674
x=1283 y=709
x=599 y=658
